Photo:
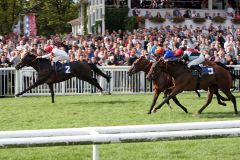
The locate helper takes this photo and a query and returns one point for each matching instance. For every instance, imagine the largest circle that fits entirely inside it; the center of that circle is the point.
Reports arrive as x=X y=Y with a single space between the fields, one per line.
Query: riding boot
x=198 y=69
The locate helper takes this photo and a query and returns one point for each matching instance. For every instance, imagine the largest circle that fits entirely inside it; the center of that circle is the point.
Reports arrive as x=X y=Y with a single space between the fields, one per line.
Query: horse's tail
x=98 y=71
x=230 y=69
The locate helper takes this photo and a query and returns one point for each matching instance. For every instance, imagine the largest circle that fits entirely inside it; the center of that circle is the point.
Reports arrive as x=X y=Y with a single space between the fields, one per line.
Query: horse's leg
x=198 y=93
x=155 y=97
x=99 y=72
x=209 y=98
x=219 y=98
x=179 y=104
x=175 y=91
x=50 y=85
x=93 y=81
x=229 y=94
x=37 y=83
x=167 y=92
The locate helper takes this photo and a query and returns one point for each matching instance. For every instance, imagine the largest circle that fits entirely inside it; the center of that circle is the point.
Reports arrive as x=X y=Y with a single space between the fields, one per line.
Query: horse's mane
x=177 y=62
x=34 y=57
x=44 y=60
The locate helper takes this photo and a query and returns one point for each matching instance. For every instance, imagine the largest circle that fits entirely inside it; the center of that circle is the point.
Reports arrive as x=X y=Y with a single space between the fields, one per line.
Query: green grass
x=83 y=111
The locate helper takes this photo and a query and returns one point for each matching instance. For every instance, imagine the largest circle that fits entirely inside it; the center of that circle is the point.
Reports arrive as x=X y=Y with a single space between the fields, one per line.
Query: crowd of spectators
x=158 y=4
x=122 y=48
x=190 y=13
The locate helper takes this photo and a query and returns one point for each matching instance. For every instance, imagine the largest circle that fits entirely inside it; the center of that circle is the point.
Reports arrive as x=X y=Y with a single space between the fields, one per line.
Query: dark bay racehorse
x=46 y=74
x=184 y=81
x=160 y=84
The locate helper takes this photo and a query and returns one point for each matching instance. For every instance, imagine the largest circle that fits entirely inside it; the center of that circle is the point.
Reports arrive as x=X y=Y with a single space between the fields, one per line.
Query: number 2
x=67 y=69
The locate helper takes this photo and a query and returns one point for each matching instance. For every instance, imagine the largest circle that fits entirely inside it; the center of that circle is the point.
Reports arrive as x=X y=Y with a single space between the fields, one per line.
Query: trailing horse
x=46 y=74
x=184 y=81
x=160 y=84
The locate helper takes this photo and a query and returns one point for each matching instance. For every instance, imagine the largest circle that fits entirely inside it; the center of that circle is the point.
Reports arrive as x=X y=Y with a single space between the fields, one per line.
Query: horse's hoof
x=17 y=95
x=149 y=112
x=223 y=104
x=154 y=110
x=199 y=112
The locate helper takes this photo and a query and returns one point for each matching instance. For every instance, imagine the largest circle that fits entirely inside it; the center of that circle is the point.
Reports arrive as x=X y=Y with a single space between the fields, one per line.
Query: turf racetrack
x=83 y=111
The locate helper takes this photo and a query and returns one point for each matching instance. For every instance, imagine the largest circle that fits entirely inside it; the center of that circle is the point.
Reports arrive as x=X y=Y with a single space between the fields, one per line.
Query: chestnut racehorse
x=160 y=84
x=184 y=81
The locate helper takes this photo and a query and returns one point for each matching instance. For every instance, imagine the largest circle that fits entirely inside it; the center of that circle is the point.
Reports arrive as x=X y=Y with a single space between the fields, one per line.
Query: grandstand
x=203 y=8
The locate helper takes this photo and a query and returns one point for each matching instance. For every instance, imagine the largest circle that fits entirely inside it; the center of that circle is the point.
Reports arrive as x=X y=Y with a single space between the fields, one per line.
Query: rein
x=34 y=59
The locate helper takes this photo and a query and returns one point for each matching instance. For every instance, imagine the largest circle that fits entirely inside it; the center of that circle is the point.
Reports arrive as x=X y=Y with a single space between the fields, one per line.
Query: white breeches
x=197 y=61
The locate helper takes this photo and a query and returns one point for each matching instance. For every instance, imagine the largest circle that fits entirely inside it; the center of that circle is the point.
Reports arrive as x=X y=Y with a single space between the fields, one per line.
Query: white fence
x=12 y=82
x=118 y=134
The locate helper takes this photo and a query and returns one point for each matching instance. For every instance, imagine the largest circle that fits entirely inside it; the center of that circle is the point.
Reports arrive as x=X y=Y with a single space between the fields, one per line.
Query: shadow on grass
x=218 y=115
x=104 y=102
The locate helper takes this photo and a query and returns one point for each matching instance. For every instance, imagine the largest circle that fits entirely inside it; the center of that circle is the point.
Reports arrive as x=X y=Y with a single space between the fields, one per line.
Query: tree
x=54 y=15
x=51 y=15
x=9 y=13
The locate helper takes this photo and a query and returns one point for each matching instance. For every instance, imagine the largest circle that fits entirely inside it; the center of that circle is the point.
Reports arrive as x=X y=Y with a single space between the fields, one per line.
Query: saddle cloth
x=62 y=67
x=205 y=70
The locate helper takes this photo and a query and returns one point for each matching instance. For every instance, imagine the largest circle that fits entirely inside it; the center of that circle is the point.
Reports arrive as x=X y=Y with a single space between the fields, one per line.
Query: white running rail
x=12 y=82
x=118 y=134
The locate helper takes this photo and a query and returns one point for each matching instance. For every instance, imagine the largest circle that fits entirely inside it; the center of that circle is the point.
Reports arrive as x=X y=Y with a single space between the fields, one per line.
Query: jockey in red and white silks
x=57 y=54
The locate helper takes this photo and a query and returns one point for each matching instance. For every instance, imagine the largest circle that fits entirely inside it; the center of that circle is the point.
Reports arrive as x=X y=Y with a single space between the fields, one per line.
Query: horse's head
x=138 y=65
x=26 y=60
x=156 y=68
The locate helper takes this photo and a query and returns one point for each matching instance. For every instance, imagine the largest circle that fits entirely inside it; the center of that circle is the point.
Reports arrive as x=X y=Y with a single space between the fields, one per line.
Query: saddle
x=61 y=67
x=201 y=70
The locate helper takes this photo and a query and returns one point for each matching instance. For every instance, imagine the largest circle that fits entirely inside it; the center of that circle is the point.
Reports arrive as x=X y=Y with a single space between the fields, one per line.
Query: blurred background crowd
x=122 y=48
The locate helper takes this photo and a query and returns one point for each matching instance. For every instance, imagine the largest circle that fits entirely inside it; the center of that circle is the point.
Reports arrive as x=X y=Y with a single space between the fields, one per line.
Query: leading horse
x=46 y=74
x=184 y=81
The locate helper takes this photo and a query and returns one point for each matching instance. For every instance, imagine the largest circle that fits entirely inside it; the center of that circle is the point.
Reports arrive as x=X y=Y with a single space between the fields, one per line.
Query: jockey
x=178 y=52
x=194 y=57
x=57 y=54
x=158 y=52
x=168 y=55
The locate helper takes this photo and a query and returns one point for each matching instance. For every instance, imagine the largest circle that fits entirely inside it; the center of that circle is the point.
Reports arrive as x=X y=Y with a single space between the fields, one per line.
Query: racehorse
x=46 y=74
x=184 y=81
x=163 y=81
